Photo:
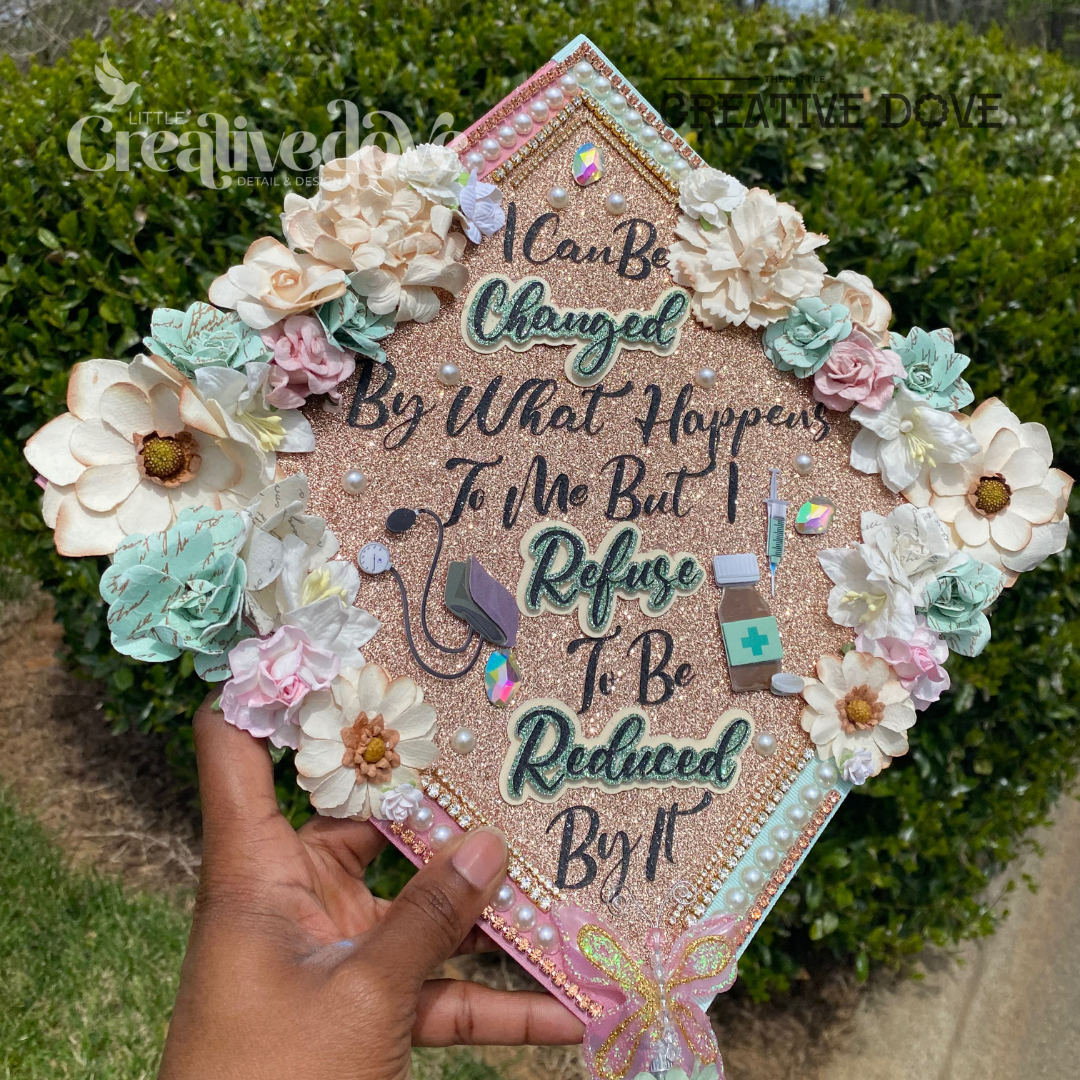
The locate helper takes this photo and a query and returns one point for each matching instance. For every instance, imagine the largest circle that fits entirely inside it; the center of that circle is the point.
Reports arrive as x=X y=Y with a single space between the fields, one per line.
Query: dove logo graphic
x=112 y=82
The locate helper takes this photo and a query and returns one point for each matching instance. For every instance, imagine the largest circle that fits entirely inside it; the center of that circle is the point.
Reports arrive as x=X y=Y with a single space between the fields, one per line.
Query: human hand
x=294 y=969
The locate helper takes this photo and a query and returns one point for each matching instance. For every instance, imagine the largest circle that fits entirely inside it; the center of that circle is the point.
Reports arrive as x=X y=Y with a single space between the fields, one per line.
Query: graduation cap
x=487 y=606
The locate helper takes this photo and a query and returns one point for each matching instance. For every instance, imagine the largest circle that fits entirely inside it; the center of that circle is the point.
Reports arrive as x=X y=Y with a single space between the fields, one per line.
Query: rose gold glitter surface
x=417 y=474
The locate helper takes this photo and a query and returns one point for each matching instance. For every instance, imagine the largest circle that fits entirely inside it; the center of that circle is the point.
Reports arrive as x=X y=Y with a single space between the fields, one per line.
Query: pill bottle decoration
x=751 y=636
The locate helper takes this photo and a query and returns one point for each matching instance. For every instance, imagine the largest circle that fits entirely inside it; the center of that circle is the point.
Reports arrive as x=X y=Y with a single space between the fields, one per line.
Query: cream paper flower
x=396 y=243
x=859 y=704
x=273 y=283
x=123 y=460
x=710 y=195
x=435 y=172
x=363 y=736
x=914 y=542
x=907 y=439
x=1005 y=504
x=869 y=309
x=751 y=270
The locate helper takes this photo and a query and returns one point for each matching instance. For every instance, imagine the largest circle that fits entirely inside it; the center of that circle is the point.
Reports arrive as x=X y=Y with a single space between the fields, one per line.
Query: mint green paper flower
x=180 y=589
x=933 y=367
x=803 y=341
x=203 y=336
x=350 y=325
x=956 y=601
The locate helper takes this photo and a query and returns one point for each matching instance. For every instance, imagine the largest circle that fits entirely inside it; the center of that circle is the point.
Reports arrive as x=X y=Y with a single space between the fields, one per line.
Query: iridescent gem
x=502 y=677
x=588 y=164
x=814 y=517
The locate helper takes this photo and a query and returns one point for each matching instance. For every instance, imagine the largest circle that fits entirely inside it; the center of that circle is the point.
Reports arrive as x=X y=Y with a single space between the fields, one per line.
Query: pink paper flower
x=271 y=678
x=304 y=361
x=857 y=372
x=918 y=662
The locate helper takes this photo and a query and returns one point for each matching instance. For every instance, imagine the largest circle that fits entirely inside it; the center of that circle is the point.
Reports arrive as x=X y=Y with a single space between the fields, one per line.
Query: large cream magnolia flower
x=397 y=243
x=751 y=270
x=361 y=737
x=859 y=704
x=869 y=309
x=123 y=460
x=1005 y=505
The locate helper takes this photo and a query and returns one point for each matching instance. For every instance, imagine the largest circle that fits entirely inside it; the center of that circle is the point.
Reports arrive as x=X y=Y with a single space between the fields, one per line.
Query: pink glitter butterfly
x=651 y=1020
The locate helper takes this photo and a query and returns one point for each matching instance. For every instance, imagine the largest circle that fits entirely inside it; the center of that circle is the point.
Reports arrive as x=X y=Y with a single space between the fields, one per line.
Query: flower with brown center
x=860 y=709
x=369 y=748
x=168 y=460
x=990 y=495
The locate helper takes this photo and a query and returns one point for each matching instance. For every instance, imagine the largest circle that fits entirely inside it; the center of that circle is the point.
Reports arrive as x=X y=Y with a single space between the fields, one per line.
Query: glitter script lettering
x=500 y=313
x=547 y=753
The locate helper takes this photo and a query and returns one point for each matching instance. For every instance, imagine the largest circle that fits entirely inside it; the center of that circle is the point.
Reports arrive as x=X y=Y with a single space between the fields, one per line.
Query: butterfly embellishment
x=652 y=1020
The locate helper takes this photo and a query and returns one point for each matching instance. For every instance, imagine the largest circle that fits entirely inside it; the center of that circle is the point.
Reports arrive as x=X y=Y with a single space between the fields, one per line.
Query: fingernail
x=482 y=858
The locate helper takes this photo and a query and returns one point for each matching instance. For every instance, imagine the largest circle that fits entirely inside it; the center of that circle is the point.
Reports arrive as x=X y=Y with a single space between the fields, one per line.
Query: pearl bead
x=600 y=86
x=504 y=898
x=558 y=197
x=490 y=149
x=804 y=464
x=525 y=917
x=681 y=168
x=797 y=816
x=538 y=110
x=649 y=135
x=906 y=426
x=523 y=123
x=768 y=858
x=475 y=160
x=547 y=937
x=782 y=837
x=811 y=796
x=765 y=744
x=826 y=774
x=463 y=742
x=569 y=85
x=583 y=70
x=507 y=136
x=354 y=482
x=753 y=878
x=705 y=378
x=553 y=97
x=441 y=835
x=736 y=901
x=421 y=818
x=633 y=121
x=615 y=203
x=449 y=374
x=665 y=153
x=616 y=104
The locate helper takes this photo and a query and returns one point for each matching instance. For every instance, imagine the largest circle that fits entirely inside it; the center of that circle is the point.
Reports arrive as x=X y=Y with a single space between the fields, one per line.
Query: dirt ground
x=112 y=804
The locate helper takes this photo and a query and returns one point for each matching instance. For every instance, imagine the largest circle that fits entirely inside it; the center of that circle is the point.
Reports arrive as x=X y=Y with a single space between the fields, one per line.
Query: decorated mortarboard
x=617 y=367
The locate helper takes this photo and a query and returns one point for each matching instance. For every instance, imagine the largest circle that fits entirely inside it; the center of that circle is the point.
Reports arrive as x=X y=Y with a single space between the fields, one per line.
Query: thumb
x=435 y=911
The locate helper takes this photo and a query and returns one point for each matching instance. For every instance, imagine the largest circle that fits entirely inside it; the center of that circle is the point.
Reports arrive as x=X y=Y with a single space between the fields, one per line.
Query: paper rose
x=932 y=368
x=203 y=336
x=866 y=595
x=803 y=341
x=710 y=195
x=907 y=439
x=123 y=461
x=480 y=209
x=361 y=737
x=857 y=372
x=349 y=324
x=914 y=544
x=1005 y=504
x=859 y=704
x=956 y=602
x=271 y=677
x=399 y=802
x=178 y=590
x=274 y=283
x=919 y=661
x=857 y=767
x=304 y=362
x=752 y=270
x=432 y=171
x=870 y=311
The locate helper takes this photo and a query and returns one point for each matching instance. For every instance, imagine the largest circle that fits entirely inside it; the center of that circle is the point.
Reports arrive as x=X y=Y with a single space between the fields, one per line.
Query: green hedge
x=970 y=228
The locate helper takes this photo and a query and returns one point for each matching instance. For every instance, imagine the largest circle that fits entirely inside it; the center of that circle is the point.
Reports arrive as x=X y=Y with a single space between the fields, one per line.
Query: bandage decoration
x=580 y=349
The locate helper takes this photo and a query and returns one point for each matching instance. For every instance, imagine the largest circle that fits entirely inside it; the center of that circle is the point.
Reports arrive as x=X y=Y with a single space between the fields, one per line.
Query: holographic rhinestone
x=588 y=164
x=814 y=516
x=502 y=677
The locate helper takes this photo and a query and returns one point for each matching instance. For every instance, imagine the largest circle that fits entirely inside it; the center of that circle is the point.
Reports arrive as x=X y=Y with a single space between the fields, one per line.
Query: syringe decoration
x=776 y=509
